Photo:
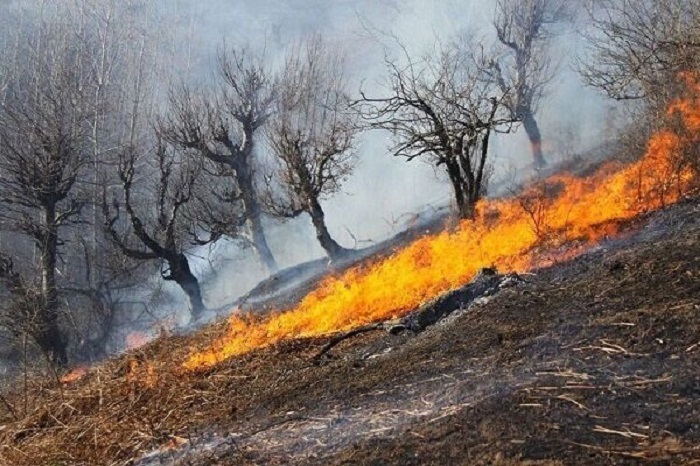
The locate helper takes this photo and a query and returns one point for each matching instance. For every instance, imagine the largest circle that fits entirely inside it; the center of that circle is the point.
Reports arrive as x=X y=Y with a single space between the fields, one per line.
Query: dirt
x=591 y=361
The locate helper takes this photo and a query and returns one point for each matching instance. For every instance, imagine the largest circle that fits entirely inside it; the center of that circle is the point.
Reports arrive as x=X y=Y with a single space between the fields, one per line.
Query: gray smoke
x=385 y=191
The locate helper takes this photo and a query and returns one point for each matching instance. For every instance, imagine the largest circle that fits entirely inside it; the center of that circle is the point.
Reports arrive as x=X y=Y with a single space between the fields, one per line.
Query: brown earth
x=592 y=361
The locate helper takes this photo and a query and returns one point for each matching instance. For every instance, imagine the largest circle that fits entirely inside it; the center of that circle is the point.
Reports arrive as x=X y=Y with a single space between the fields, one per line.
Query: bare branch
x=312 y=135
x=444 y=108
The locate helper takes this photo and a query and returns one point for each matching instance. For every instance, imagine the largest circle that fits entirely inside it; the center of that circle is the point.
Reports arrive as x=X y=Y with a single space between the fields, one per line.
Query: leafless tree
x=159 y=229
x=43 y=158
x=22 y=300
x=223 y=129
x=525 y=29
x=647 y=54
x=123 y=42
x=637 y=49
x=312 y=135
x=445 y=107
x=91 y=65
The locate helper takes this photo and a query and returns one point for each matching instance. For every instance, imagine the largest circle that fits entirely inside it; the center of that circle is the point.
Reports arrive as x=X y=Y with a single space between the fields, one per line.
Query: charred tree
x=223 y=131
x=311 y=135
x=524 y=29
x=446 y=109
x=164 y=232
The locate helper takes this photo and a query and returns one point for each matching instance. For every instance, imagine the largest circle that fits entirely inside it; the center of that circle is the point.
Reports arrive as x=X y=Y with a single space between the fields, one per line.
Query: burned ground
x=592 y=361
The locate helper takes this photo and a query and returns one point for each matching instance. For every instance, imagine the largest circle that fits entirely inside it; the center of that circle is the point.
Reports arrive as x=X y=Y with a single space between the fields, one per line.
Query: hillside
x=594 y=360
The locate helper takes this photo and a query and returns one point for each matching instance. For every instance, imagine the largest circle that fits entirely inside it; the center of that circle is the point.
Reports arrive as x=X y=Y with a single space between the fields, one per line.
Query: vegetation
x=117 y=167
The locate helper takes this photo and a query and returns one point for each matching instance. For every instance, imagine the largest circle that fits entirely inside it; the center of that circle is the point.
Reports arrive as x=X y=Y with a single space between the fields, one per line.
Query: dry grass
x=609 y=352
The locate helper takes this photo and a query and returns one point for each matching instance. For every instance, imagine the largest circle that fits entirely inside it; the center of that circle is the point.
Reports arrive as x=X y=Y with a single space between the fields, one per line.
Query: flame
x=74 y=375
x=141 y=373
x=506 y=233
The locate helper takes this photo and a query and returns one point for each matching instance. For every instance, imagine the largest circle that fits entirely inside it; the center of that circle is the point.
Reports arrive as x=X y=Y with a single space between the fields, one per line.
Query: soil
x=590 y=361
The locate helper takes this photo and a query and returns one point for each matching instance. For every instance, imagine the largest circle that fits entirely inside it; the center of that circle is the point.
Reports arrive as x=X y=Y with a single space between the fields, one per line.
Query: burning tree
x=524 y=29
x=159 y=231
x=223 y=131
x=312 y=136
x=445 y=107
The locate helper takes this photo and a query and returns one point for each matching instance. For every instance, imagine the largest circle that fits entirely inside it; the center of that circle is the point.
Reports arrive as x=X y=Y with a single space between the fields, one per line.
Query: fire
x=506 y=233
x=141 y=373
x=74 y=375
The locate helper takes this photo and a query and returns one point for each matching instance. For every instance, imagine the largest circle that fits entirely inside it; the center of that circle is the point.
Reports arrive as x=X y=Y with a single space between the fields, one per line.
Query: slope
x=595 y=360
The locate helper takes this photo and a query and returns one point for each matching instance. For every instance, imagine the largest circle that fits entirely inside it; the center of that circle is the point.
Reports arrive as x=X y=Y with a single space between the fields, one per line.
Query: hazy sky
x=384 y=190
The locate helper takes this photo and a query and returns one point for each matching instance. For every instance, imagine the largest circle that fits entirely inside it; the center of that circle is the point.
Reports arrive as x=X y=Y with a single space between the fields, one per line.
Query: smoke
x=384 y=191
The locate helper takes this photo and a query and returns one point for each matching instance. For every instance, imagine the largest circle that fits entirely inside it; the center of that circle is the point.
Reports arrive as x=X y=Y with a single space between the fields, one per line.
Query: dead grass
x=595 y=361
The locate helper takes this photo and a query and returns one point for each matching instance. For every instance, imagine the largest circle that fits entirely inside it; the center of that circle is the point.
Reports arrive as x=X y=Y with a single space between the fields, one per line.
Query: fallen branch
x=485 y=283
x=610 y=348
x=568 y=373
x=626 y=433
x=644 y=382
x=344 y=336
x=571 y=400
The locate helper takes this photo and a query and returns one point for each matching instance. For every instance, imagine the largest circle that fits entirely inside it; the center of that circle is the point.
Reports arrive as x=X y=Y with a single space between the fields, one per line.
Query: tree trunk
x=260 y=241
x=318 y=218
x=49 y=336
x=465 y=208
x=462 y=192
x=50 y=339
x=254 y=223
x=533 y=133
x=181 y=274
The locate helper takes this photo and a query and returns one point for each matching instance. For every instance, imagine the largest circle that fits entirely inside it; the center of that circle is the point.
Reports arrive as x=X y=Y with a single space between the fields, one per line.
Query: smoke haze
x=384 y=191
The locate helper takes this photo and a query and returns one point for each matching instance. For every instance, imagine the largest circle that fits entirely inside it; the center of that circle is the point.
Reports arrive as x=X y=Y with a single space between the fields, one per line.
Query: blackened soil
x=592 y=361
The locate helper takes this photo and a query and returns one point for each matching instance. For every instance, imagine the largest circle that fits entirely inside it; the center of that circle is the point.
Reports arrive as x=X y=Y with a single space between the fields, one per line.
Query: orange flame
x=142 y=373
x=505 y=233
x=74 y=375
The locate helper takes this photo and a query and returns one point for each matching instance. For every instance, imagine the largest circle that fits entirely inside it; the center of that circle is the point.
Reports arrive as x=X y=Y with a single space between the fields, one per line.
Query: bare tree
x=160 y=230
x=444 y=107
x=223 y=130
x=525 y=29
x=647 y=54
x=312 y=135
x=43 y=158
x=637 y=49
x=123 y=42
